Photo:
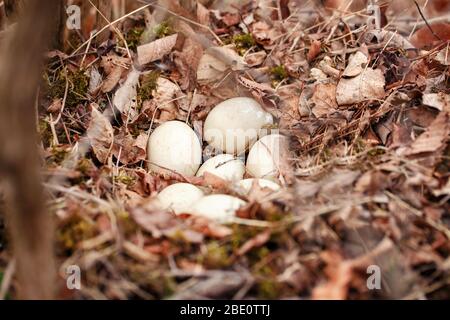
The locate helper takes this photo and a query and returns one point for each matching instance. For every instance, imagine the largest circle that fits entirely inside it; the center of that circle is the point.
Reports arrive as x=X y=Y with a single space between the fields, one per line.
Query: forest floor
x=366 y=186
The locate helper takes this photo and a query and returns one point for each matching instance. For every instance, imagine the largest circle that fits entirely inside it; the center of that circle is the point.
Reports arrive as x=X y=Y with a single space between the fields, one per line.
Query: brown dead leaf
x=314 y=50
x=128 y=149
x=203 y=14
x=125 y=98
x=156 y=50
x=356 y=64
x=425 y=38
x=187 y=62
x=366 y=86
x=323 y=101
x=340 y=274
x=231 y=19
x=433 y=138
x=440 y=101
x=160 y=223
x=216 y=62
x=256 y=58
x=115 y=67
x=164 y=94
x=100 y=134
x=209 y=228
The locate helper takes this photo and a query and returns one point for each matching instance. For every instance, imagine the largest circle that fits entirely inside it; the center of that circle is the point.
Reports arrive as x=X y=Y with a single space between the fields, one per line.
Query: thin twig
x=425 y=20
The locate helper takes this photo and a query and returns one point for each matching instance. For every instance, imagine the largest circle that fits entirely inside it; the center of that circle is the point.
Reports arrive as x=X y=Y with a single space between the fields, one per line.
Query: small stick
x=426 y=22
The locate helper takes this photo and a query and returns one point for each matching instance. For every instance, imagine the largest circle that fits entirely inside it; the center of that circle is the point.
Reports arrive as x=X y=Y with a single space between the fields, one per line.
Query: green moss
x=148 y=85
x=163 y=29
x=268 y=287
x=45 y=132
x=57 y=156
x=78 y=83
x=217 y=256
x=243 y=42
x=279 y=73
x=241 y=234
x=126 y=223
x=75 y=230
x=84 y=165
x=154 y=281
x=133 y=37
x=122 y=177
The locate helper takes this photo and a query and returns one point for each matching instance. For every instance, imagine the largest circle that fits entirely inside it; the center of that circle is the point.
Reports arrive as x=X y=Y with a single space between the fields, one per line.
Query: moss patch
x=148 y=85
x=78 y=85
x=163 y=29
x=243 y=42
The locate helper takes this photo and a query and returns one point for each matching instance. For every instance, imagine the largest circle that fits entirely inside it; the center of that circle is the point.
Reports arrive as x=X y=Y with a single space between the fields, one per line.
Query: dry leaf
x=366 y=86
x=203 y=14
x=114 y=66
x=164 y=95
x=125 y=98
x=323 y=101
x=256 y=58
x=433 y=138
x=216 y=62
x=100 y=134
x=314 y=50
x=356 y=64
x=425 y=38
x=128 y=149
x=443 y=56
x=156 y=50
x=440 y=101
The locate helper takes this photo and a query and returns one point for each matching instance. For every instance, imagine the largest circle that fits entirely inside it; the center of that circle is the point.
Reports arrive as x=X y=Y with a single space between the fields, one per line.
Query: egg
x=264 y=158
x=179 y=197
x=246 y=185
x=225 y=166
x=174 y=146
x=218 y=207
x=235 y=124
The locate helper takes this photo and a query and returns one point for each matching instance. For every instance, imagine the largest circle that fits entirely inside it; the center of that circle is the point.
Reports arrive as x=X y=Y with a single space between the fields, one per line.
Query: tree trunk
x=29 y=223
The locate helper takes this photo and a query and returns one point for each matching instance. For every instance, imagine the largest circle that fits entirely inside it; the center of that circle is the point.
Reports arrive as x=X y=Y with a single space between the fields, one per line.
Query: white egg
x=174 y=146
x=219 y=207
x=235 y=124
x=225 y=166
x=265 y=156
x=179 y=197
x=246 y=185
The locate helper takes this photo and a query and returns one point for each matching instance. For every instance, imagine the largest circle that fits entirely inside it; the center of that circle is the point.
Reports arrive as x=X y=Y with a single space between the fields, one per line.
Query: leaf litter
x=367 y=181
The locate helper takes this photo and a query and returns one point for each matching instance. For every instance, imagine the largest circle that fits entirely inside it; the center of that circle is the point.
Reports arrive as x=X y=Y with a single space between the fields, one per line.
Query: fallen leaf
x=443 y=56
x=125 y=98
x=216 y=62
x=164 y=94
x=433 y=138
x=440 y=101
x=128 y=149
x=314 y=50
x=114 y=67
x=156 y=50
x=366 y=86
x=323 y=101
x=356 y=64
x=100 y=134
x=425 y=38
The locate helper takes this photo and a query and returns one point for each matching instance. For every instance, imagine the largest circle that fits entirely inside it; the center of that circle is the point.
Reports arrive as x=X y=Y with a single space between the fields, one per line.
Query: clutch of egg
x=232 y=127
